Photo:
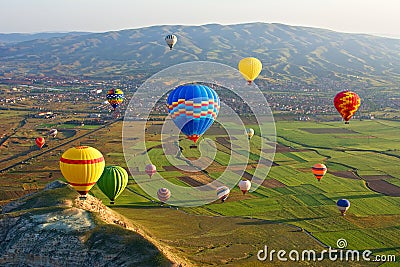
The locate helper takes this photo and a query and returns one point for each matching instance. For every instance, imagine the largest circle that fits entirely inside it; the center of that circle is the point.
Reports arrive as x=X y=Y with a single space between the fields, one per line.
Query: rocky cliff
x=54 y=228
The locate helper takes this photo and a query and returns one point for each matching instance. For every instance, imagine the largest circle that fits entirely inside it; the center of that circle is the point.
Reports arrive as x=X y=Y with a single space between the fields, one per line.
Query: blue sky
x=360 y=16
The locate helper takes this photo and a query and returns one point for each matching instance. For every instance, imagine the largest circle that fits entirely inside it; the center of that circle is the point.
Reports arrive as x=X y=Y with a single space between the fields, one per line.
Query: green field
x=357 y=155
x=363 y=147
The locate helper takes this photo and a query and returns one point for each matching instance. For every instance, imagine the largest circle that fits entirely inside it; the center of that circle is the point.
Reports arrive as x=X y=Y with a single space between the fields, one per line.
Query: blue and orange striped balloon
x=193 y=108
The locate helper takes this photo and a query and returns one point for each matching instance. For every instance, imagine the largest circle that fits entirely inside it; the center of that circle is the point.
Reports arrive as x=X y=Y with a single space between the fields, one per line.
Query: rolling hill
x=287 y=52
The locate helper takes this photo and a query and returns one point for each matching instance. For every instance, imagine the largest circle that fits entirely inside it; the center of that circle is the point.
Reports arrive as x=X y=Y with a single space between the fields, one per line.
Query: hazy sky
x=361 y=16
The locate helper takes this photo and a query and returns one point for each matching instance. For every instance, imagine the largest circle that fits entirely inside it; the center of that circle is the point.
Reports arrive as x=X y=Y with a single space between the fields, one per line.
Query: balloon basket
x=193 y=146
x=83 y=198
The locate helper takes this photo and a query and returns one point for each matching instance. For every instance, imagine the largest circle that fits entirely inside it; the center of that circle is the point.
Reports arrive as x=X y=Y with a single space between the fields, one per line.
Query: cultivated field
x=285 y=212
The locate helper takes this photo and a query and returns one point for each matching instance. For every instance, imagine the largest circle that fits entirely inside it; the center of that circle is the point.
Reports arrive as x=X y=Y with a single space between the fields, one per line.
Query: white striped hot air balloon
x=171 y=40
x=223 y=192
x=163 y=194
x=53 y=132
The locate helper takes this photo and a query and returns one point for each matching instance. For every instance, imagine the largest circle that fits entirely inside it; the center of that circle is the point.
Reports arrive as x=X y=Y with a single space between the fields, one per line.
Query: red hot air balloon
x=347 y=103
x=319 y=170
x=40 y=141
x=150 y=169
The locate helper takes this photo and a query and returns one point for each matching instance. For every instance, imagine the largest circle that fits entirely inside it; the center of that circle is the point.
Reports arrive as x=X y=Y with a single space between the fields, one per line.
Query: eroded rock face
x=68 y=220
x=70 y=232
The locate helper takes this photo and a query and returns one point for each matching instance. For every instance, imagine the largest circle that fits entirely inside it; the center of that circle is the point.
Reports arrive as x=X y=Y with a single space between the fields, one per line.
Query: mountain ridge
x=288 y=52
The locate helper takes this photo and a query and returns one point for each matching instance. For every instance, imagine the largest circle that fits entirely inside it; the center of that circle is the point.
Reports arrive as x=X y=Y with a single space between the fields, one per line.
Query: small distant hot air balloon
x=163 y=194
x=40 y=141
x=53 y=133
x=115 y=97
x=250 y=68
x=223 y=192
x=82 y=166
x=150 y=169
x=343 y=205
x=171 y=40
x=249 y=133
x=244 y=186
x=193 y=108
x=319 y=170
x=113 y=181
x=347 y=103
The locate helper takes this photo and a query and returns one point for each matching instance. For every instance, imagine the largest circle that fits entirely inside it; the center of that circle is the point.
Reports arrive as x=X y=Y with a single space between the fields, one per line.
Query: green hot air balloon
x=113 y=181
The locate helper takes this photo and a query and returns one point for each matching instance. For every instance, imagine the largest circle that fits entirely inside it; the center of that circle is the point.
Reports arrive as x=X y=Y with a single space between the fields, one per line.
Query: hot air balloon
x=250 y=68
x=163 y=194
x=223 y=192
x=193 y=108
x=82 y=166
x=53 y=132
x=343 y=205
x=113 y=181
x=249 y=133
x=319 y=170
x=347 y=103
x=150 y=169
x=40 y=141
x=115 y=97
x=171 y=40
x=244 y=186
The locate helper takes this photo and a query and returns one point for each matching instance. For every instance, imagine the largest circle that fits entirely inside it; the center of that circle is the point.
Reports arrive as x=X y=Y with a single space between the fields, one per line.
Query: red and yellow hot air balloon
x=40 y=141
x=347 y=103
x=82 y=166
x=319 y=170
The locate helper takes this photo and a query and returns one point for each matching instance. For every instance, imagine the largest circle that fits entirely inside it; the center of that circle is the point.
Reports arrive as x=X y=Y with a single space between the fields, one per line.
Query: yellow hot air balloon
x=82 y=166
x=250 y=68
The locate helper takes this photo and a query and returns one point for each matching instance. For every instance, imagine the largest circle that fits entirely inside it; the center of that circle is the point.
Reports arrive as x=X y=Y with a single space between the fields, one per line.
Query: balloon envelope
x=223 y=192
x=171 y=40
x=113 y=181
x=53 y=132
x=193 y=109
x=82 y=166
x=250 y=68
x=319 y=170
x=163 y=194
x=150 y=169
x=40 y=141
x=244 y=186
x=343 y=205
x=115 y=97
x=249 y=132
x=347 y=103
